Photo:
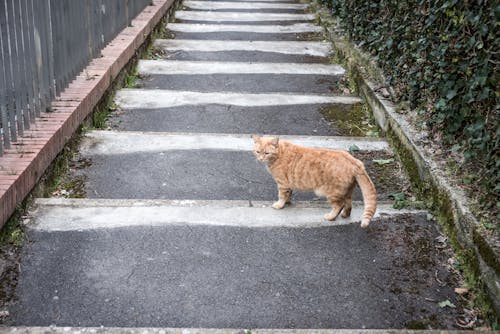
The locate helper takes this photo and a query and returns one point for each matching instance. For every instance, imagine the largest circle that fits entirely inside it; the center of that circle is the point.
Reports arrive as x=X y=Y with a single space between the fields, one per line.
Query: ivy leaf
x=353 y=148
x=440 y=104
x=398 y=196
x=451 y=94
x=446 y=303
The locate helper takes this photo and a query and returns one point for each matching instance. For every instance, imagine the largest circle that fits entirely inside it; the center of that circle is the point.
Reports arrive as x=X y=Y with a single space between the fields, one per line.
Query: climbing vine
x=442 y=57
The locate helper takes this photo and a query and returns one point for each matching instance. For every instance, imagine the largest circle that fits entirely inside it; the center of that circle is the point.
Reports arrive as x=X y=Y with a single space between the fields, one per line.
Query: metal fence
x=44 y=44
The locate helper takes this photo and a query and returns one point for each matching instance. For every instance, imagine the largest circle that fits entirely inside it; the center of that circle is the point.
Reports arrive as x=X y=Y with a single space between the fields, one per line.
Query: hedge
x=442 y=57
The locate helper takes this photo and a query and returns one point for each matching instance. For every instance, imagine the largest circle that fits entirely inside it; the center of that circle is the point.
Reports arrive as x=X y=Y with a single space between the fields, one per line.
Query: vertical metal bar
x=42 y=46
x=127 y=12
x=25 y=65
x=66 y=29
x=85 y=56
x=83 y=34
x=19 y=88
x=76 y=23
x=4 y=120
x=55 y=10
x=107 y=20
x=94 y=16
x=88 y=13
x=100 y=25
x=75 y=38
x=30 y=59
x=34 y=59
x=50 y=49
x=15 y=106
x=62 y=42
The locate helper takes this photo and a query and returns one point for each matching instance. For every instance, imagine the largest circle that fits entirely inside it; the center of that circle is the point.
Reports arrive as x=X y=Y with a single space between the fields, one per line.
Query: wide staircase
x=177 y=229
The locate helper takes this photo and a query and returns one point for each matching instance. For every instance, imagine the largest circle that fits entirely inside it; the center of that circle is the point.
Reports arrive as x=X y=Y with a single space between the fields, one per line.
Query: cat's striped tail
x=369 y=196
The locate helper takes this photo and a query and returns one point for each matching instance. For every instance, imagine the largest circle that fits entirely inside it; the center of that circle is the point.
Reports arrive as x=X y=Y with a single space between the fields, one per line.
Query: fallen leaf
x=385 y=93
x=461 y=291
x=383 y=161
x=446 y=303
x=372 y=133
x=442 y=239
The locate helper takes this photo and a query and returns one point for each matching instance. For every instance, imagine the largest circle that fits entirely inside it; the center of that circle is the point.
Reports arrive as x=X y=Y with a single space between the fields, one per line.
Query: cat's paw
x=278 y=205
x=330 y=217
x=365 y=222
x=345 y=214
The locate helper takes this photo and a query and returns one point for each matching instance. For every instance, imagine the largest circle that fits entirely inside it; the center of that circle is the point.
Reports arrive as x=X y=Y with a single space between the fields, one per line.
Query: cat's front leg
x=337 y=206
x=284 y=195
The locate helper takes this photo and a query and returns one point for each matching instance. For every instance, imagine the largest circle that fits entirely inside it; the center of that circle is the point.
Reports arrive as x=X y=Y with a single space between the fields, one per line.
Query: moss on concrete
x=351 y=120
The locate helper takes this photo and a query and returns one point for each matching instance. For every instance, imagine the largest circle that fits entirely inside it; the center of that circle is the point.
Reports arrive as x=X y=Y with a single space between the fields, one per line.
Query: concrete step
x=218 y=5
x=307 y=120
x=268 y=32
x=302 y=48
x=236 y=17
x=161 y=98
x=129 y=142
x=205 y=166
x=245 y=28
x=239 y=77
x=173 y=67
x=58 y=215
x=245 y=50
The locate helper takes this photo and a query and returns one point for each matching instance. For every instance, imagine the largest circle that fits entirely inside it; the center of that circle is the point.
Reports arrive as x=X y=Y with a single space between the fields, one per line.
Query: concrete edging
x=446 y=198
x=22 y=166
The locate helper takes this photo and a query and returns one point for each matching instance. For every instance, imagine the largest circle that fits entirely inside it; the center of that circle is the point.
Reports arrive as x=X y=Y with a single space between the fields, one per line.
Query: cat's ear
x=275 y=141
x=255 y=138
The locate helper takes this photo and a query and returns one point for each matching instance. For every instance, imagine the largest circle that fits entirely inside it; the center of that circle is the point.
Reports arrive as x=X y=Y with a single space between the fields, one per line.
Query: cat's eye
x=258 y=152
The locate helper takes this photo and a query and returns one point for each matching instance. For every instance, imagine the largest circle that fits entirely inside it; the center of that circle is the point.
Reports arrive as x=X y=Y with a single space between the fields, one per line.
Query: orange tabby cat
x=329 y=173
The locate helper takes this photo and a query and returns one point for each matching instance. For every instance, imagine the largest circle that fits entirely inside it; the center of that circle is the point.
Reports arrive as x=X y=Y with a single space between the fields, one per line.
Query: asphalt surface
x=227 y=277
x=391 y=275
x=271 y=57
x=250 y=83
x=195 y=174
x=301 y=120
x=250 y=36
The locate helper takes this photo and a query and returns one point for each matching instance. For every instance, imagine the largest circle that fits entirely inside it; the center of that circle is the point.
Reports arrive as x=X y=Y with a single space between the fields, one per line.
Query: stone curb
x=90 y=330
x=448 y=199
x=22 y=166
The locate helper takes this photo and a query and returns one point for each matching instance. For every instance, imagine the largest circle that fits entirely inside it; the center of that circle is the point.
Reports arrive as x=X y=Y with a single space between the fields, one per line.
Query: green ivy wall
x=442 y=57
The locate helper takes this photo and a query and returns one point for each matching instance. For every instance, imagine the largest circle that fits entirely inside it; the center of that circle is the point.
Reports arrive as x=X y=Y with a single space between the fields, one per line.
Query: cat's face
x=266 y=149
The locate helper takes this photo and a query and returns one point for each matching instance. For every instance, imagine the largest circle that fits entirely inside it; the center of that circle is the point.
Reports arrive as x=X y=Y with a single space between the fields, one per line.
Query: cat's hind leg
x=346 y=211
x=284 y=195
x=289 y=194
x=337 y=206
